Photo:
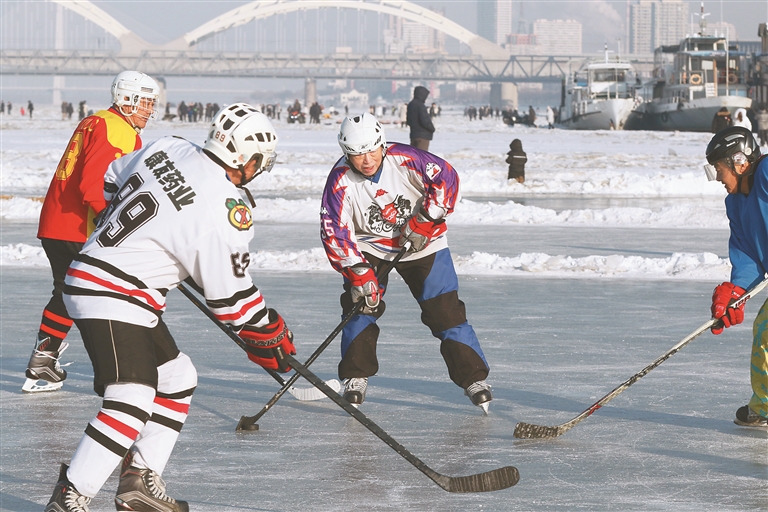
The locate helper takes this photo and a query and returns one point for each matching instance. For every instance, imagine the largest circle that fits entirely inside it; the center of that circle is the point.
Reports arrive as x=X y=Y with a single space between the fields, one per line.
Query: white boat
x=691 y=84
x=599 y=96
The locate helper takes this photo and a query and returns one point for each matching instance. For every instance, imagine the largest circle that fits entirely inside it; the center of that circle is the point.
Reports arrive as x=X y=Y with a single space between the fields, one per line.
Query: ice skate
x=746 y=417
x=480 y=394
x=44 y=373
x=65 y=497
x=141 y=489
x=354 y=390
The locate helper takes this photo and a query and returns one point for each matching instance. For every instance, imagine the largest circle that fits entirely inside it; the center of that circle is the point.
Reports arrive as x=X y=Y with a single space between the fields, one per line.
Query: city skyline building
x=404 y=36
x=558 y=37
x=654 y=23
x=494 y=20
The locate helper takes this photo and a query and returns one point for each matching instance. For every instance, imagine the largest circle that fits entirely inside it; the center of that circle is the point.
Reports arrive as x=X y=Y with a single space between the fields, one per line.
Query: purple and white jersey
x=365 y=214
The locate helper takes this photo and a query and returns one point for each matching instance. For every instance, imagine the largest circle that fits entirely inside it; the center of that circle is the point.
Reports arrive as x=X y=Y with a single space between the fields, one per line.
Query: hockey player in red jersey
x=175 y=215
x=377 y=199
x=74 y=198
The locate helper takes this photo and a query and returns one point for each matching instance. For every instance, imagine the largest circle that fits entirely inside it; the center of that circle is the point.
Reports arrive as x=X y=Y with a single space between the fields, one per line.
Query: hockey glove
x=420 y=230
x=363 y=284
x=725 y=295
x=266 y=344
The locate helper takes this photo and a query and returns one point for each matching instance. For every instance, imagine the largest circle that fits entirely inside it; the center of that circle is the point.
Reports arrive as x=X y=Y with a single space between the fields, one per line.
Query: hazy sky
x=603 y=20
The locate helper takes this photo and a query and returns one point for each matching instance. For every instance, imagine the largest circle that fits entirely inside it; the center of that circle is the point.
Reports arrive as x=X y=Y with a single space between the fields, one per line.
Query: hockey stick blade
x=494 y=480
x=531 y=431
x=311 y=394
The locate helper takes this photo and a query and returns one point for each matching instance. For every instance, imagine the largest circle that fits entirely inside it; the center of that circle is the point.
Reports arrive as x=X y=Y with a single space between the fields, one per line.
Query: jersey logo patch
x=389 y=218
x=432 y=170
x=239 y=214
x=380 y=192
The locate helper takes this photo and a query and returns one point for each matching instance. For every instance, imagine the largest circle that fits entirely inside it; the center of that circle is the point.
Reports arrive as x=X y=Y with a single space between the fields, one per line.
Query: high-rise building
x=558 y=37
x=722 y=28
x=405 y=36
x=653 y=23
x=494 y=20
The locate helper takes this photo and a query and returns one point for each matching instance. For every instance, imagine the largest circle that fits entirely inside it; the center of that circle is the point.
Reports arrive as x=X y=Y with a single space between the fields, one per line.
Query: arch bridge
x=488 y=62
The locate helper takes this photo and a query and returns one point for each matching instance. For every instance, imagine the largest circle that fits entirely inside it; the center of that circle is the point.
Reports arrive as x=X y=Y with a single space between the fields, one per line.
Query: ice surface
x=569 y=311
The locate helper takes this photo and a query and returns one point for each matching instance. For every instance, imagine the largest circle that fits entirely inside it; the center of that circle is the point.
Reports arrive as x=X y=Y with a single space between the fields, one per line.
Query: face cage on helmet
x=263 y=164
x=135 y=103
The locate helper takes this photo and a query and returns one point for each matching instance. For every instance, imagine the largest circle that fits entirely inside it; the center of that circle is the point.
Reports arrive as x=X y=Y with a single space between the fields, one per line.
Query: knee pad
x=178 y=374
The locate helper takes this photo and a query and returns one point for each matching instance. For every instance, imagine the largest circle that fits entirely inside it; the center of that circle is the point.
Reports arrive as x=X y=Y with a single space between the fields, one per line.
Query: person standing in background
x=516 y=158
x=419 y=119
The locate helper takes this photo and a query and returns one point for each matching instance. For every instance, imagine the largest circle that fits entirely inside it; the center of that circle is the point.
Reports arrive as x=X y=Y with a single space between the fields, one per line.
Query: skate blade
x=751 y=425
x=32 y=386
x=484 y=406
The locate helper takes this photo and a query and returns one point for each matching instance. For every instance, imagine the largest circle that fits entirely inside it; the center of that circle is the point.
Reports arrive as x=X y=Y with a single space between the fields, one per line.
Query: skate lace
x=47 y=353
x=156 y=487
x=76 y=502
x=356 y=384
x=477 y=387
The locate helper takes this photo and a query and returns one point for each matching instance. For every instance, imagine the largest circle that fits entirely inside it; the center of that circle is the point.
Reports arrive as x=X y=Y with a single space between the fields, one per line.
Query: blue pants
x=435 y=286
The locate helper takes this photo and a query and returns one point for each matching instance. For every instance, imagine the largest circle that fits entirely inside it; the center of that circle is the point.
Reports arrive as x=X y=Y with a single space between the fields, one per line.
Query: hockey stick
x=494 y=480
x=303 y=395
x=530 y=431
x=247 y=423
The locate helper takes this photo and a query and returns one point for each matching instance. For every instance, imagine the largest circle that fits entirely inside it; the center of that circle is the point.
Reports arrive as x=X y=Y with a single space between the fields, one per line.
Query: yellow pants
x=758 y=368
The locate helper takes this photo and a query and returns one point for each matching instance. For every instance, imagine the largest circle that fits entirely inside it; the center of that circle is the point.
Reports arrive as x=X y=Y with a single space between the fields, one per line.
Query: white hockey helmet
x=361 y=134
x=240 y=133
x=129 y=87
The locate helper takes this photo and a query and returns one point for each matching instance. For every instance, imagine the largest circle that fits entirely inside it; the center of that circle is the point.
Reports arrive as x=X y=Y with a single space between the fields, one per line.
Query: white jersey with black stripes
x=173 y=214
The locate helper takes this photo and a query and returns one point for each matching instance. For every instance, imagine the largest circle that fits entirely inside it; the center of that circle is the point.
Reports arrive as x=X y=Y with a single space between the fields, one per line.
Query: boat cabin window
x=609 y=75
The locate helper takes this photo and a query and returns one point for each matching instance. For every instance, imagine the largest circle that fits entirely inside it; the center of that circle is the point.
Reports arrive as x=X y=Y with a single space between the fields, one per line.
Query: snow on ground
x=654 y=178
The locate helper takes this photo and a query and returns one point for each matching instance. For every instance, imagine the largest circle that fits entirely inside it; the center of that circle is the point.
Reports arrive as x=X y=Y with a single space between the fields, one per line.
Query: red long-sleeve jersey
x=76 y=193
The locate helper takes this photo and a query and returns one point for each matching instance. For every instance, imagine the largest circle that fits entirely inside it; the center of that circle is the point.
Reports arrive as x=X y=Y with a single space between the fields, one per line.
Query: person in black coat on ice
x=419 y=120
x=516 y=159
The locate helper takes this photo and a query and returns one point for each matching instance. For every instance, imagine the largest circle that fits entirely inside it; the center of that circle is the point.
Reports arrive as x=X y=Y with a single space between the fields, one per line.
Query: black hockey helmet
x=734 y=144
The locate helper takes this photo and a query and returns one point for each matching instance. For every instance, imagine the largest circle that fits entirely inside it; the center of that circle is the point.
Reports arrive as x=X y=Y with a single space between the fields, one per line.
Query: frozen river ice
x=556 y=343
x=555 y=346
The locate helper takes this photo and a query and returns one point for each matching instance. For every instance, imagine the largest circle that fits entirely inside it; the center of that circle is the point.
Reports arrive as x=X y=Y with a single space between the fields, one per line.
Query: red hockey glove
x=363 y=284
x=267 y=344
x=725 y=295
x=420 y=230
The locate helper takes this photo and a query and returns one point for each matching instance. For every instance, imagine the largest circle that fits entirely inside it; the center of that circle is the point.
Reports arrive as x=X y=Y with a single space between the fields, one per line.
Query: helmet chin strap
x=244 y=182
x=129 y=118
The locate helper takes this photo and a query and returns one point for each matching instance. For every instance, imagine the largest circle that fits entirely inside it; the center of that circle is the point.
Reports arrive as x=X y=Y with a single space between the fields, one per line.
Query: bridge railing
x=444 y=67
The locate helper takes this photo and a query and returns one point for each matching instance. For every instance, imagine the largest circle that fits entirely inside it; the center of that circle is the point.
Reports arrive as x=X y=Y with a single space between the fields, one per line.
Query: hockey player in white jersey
x=175 y=214
x=377 y=199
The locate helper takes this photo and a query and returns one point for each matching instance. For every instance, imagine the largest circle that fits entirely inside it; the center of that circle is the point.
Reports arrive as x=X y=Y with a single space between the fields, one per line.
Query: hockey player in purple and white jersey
x=175 y=214
x=377 y=199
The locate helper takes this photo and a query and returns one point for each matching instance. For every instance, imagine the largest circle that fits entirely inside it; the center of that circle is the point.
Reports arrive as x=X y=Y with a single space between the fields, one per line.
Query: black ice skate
x=480 y=394
x=65 y=497
x=142 y=489
x=746 y=417
x=354 y=390
x=44 y=372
